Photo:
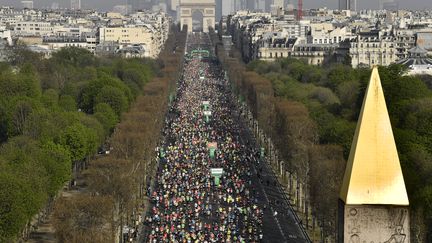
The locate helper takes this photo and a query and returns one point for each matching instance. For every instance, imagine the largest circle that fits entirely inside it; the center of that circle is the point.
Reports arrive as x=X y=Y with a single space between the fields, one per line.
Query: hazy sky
x=108 y=4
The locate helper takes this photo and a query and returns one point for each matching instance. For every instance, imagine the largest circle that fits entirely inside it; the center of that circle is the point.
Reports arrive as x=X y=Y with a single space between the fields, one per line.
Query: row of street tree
x=116 y=184
x=55 y=114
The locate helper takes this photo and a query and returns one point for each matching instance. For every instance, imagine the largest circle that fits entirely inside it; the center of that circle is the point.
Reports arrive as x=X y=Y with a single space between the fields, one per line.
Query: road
x=205 y=129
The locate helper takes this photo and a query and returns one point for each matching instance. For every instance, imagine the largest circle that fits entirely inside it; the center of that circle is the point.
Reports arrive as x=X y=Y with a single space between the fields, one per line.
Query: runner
x=189 y=204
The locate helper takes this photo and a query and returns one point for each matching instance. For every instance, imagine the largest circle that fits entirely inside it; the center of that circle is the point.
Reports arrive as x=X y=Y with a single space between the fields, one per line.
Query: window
x=271 y=55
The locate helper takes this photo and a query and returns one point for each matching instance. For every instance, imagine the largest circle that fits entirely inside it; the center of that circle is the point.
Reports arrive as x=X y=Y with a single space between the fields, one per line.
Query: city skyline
x=331 y=4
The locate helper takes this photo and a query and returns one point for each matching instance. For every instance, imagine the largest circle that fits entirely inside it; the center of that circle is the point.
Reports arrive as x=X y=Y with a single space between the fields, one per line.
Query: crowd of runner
x=188 y=205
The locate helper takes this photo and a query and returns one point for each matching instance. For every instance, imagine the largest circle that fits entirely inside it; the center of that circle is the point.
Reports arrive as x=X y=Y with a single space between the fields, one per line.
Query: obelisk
x=373 y=205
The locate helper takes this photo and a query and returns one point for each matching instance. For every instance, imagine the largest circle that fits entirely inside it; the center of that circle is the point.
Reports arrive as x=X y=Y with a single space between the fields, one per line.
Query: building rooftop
x=417 y=57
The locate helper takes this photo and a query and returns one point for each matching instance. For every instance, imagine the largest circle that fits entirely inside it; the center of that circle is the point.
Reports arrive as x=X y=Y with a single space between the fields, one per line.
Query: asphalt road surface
x=188 y=202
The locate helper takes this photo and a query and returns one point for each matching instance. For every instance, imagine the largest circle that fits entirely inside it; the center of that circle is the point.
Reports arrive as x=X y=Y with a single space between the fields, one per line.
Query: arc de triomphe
x=206 y=7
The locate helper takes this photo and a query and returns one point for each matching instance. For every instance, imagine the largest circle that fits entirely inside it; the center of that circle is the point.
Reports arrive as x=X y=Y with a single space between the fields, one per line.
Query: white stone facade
x=369 y=50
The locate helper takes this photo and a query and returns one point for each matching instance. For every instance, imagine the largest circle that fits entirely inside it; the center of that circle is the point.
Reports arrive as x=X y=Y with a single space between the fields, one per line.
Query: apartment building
x=372 y=48
x=131 y=36
x=33 y=28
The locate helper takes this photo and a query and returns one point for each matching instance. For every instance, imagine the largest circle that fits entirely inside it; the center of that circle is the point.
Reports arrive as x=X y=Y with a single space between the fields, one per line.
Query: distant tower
x=300 y=10
x=218 y=10
x=344 y=4
x=373 y=205
x=75 y=4
x=27 y=4
x=348 y=5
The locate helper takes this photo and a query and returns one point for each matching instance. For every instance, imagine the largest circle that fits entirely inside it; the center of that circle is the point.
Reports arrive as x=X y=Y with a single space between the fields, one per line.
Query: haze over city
x=333 y=4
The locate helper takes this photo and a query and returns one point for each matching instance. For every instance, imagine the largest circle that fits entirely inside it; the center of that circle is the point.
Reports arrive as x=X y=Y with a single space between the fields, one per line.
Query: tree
x=57 y=162
x=348 y=94
x=67 y=103
x=84 y=218
x=41 y=125
x=296 y=133
x=74 y=138
x=110 y=176
x=112 y=88
x=106 y=116
x=114 y=97
x=4 y=123
x=327 y=170
x=339 y=74
x=96 y=134
x=114 y=178
x=77 y=57
x=325 y=96
x=30 y=81
x=19 y=55
x=43 y=99
x=22 y=109
x=24 y=84
x=24 y=185
x=50 y=98
x=12 y=204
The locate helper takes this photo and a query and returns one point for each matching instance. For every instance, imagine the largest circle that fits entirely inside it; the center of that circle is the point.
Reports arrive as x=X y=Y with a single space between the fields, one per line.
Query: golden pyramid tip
x=373 y=174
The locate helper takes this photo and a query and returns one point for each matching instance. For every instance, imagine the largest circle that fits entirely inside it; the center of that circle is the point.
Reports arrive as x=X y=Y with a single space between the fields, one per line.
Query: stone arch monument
x=206 y=7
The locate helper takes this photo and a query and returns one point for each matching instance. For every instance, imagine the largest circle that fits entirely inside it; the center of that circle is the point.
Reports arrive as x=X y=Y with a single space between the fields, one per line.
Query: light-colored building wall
x=271 y=54
x=370 y=51
x=30 y=40
x=125 y=35
x=321 y=34
x=6 y=35
x=57 y=45
x=32 y=28
x=404 y=41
